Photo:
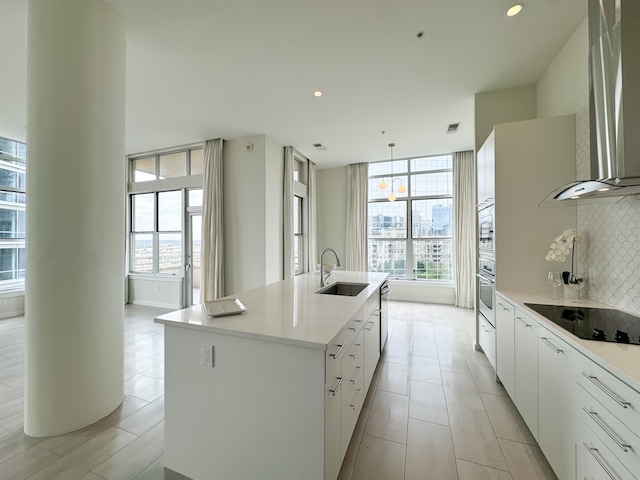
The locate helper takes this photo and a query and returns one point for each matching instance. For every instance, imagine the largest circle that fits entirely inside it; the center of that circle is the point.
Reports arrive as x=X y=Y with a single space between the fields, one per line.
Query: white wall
x=273 y=209
x=253 y=212
x=331 y=210
x=156 y=291
x=564 y=87
x=502 y=106
x=11 y=305
x=413 y=291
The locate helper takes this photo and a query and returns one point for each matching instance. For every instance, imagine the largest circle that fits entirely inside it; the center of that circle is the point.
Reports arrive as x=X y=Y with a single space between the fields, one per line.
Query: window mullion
x=156 y=233
x=409 y=246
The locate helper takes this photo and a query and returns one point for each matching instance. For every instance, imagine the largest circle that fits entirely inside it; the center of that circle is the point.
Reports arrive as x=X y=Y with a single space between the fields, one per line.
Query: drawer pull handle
x=526 y=325
x=594 y=454
x=601 y=424
x=354 y=355
x=353 y=405
x=353 y=329
x=600 y=385
x=550 y=345
x=502 y=306
x=335 y=389
x=370 y=326
x=355 y=378
x=335 y=355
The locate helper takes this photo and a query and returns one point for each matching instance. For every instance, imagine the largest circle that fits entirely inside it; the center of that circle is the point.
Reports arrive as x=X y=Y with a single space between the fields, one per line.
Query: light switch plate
x=207 y=356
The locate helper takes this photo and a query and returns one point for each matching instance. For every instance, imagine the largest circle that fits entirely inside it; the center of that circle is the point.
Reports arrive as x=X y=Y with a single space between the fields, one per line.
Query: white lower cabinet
x=585 y=419
x=332 y=430
x=352 y=391
x=505 y=360
x=487 y=339
x=526 y=369
x=594 y=461
x=610 y=410
x=555 y=403
x=371 y=330
x=350 y=367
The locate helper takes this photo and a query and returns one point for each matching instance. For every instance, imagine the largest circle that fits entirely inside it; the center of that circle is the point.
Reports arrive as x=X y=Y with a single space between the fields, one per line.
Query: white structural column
x=75 y=215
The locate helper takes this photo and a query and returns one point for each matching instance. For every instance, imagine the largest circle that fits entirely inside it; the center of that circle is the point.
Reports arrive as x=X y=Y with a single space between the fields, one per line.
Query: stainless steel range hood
x=614 y=104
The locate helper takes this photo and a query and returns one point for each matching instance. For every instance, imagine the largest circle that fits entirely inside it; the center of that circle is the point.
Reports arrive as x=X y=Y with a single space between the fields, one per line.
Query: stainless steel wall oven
x=486 y=263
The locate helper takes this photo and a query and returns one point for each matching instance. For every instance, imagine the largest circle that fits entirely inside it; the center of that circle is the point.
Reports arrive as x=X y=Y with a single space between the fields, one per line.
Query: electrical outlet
x=207 y=356
x=3 y=303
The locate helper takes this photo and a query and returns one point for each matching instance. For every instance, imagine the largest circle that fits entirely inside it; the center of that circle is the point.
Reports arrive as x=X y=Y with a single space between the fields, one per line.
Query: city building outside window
x=411 y=237
x=12 y=214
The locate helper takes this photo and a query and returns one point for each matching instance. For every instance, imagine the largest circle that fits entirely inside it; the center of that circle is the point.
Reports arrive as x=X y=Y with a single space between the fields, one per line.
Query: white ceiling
x=199 y=69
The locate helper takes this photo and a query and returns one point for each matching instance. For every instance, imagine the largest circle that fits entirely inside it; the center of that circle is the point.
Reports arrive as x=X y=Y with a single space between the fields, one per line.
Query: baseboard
x=11 y=313
x=145 y=303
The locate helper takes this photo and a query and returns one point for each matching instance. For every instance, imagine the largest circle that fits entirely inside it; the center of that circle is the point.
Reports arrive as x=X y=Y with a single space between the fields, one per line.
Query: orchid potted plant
x=563 y=245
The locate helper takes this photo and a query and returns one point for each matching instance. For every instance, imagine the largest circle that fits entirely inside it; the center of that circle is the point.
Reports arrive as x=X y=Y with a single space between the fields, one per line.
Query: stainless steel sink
x=343 y=288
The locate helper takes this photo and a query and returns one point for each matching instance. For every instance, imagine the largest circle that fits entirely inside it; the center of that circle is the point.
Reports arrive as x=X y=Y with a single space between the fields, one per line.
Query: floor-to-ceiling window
x=410 y=218
x=165 y=199
x=300 y=204
x=12 y=214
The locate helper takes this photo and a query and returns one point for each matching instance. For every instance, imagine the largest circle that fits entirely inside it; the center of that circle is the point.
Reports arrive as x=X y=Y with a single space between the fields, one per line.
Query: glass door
x=193 y=259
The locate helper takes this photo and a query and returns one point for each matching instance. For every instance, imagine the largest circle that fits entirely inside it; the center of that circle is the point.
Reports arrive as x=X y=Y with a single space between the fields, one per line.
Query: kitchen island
x=274 y=392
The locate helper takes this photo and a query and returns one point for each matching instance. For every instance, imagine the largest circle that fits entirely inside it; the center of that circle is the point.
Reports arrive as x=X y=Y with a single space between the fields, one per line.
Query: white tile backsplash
x=609 y=252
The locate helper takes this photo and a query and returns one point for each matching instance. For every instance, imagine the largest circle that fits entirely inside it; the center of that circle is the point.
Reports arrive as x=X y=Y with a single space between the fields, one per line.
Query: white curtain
x=288 y=268
x=212 y=272
x=357 y=197
x=464 y=214
x=313 y=224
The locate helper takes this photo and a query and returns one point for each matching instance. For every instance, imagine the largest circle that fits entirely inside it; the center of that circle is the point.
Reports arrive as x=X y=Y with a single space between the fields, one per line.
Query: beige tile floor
x=434 y=411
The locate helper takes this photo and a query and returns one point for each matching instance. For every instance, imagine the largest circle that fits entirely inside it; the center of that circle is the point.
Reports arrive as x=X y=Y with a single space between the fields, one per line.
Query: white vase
x=570 y=291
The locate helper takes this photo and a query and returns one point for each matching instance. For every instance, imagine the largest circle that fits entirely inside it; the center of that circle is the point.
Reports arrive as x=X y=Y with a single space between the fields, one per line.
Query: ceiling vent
x=319 y=147
x=453 y=127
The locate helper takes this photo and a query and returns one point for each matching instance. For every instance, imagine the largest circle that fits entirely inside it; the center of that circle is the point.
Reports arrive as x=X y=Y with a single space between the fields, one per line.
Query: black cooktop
x=600 y=324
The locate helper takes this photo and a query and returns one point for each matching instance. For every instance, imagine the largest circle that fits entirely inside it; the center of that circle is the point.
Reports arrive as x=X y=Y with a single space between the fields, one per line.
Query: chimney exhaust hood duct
x=614 y=104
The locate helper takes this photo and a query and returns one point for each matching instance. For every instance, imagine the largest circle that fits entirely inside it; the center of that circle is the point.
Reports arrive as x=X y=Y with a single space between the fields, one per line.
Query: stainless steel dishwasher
x=384 y=314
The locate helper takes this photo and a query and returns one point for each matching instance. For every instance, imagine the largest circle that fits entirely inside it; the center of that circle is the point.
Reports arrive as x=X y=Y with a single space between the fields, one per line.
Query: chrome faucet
x=322 y=277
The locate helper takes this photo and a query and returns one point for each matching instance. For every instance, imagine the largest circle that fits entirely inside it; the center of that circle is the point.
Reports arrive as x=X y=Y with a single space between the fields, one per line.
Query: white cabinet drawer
x=353 y=390
x=487 y=339
x=615 y=395
x=594 y=461
x=340 y=343
x=621 y=441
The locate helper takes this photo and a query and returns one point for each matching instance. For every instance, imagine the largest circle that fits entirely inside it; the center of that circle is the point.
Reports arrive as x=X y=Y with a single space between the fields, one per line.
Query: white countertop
x=288 y=311
x=622 y=359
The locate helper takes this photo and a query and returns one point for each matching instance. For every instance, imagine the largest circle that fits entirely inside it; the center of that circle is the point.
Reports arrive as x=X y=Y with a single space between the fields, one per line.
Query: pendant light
x=383 y=184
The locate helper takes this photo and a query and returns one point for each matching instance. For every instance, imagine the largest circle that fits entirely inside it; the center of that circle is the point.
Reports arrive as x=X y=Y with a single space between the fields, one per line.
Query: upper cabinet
x=486 y=172
x=518 y=165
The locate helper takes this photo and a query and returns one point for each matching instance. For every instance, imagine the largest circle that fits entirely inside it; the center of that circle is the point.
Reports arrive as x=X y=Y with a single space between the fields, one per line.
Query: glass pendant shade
x=392 y=197
x=382 y=185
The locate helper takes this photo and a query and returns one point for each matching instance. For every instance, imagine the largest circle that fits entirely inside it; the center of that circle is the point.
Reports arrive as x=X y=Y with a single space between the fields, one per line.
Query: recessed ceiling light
x=513 y=10
x=317 y=93
x=604 y=189
x=575 y=197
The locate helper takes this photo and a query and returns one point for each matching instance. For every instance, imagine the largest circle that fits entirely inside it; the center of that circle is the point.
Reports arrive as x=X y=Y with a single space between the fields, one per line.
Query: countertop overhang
x=289 y=311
